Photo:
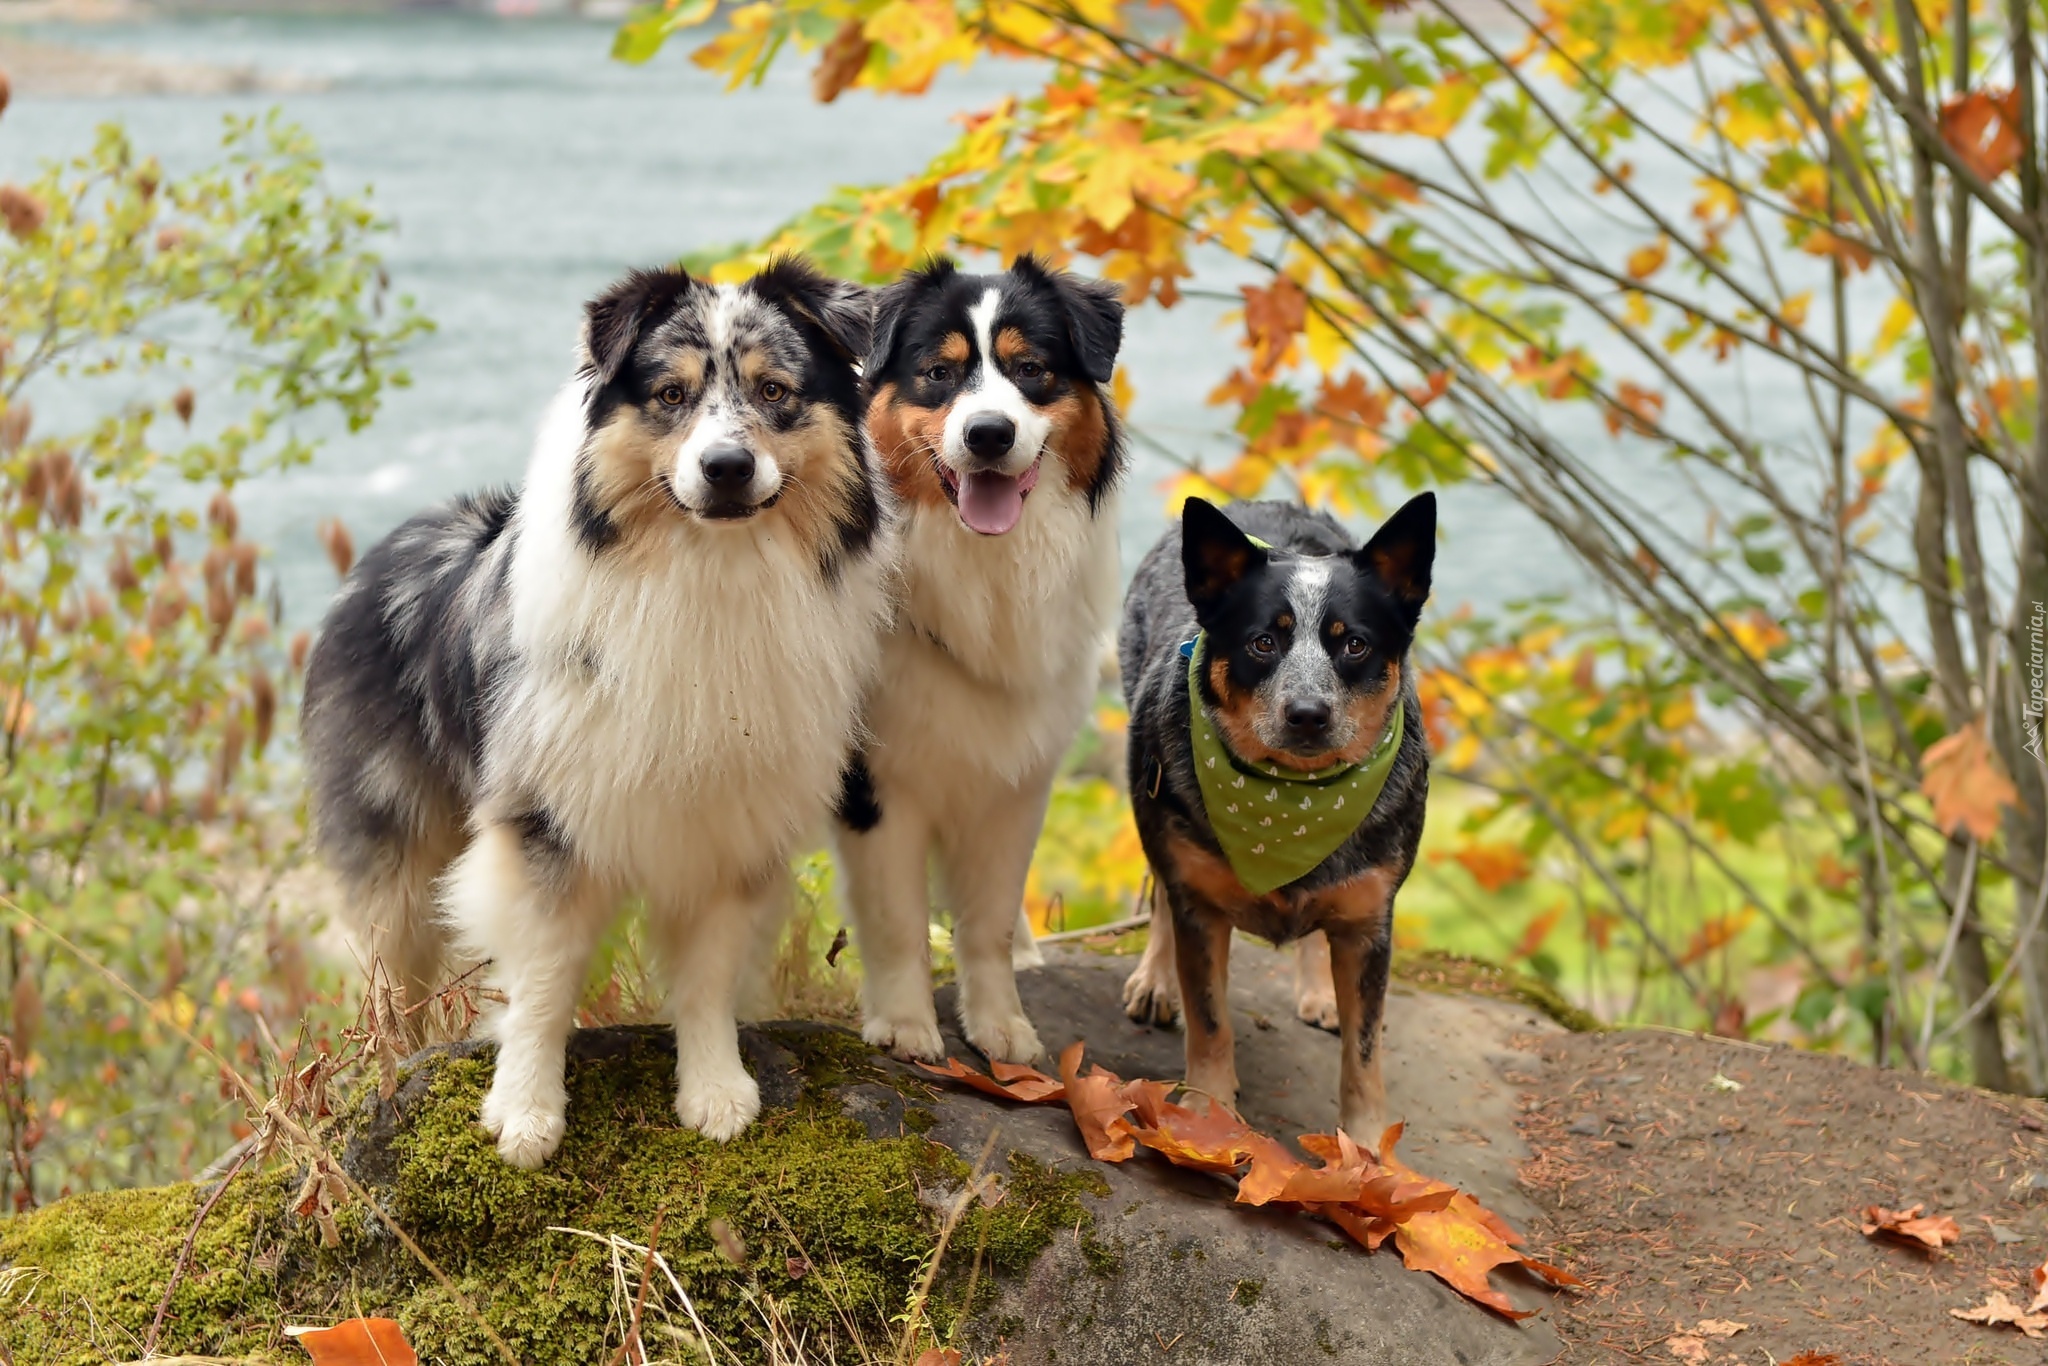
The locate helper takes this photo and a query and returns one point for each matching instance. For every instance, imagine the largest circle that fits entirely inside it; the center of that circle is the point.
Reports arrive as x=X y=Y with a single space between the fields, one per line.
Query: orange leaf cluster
x=1961 y=776
x=1437 y=1227
x=357 y=1342
x=1934 y=1231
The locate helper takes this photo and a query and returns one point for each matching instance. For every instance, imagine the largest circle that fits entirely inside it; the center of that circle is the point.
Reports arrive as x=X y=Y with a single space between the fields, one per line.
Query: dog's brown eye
x=938 y=374
x=672 y=395
x=771 y=392
x=1263 y=645
x=1354 y=648
x=1029 y=369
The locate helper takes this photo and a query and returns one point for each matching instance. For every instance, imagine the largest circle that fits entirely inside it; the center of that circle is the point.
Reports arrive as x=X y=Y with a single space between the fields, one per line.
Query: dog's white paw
x=528 y=1129
x=1005 y=1036
x=1152 y=994
x=1318 y=1008
x=719 y=1107
x=911 y=1040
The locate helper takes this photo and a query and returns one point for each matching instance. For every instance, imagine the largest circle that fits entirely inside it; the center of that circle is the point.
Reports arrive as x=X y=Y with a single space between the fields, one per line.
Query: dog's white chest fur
x=995 y=654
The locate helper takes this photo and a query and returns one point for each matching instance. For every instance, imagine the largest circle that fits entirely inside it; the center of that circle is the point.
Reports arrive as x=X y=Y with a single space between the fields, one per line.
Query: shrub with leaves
x=191 y=327
x=1743 y=300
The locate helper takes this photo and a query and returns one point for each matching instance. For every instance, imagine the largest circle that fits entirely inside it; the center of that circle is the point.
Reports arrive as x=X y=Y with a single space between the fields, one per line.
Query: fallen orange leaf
x=1011 y=1081
x=1813 y=1359
x=1933 y=1231
x=1997 y=1309
x=2038 y=1278
x=1099 y=1108
x=357 y=1342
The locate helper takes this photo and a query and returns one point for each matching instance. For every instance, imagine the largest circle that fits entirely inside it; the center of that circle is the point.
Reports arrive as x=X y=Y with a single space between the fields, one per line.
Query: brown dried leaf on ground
x=1099 y=1107
x=1011 y=1081
x=1997 y=1309
x=1935 y=1231
x=357 y=1342
x=2038 y=1279
x=1812 y=1359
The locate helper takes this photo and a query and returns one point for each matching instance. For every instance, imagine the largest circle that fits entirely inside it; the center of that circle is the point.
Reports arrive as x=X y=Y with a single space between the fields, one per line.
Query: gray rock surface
x=1199 y=1282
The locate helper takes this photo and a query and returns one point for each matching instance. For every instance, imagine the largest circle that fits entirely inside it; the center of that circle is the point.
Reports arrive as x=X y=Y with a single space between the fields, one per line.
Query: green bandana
x=1277 y=825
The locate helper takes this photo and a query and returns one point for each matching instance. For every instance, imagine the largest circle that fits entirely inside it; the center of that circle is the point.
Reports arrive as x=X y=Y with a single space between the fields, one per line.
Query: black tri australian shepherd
x=990 y=410
x=639 y=675
x=1278 y=768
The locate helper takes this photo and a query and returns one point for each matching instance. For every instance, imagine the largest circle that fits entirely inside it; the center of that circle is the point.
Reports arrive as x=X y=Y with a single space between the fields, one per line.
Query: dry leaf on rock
x=2038 y=1279
x=1099 y=1108
x=356 y=1342
x=1011 y=1081
x=1687 y=1348
x=1934 y=1231
x=1813 y=1359
x=1998 y=1310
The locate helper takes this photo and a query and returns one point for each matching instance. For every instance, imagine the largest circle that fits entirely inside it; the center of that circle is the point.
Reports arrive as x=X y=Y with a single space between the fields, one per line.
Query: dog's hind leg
x=1315 y=991
x=1024 y=950
x=985 y=856
x=536 y=917
x=1152 y=991
x=705 y=949
x=1201 y=942
x=888 y=890
x=405 y=943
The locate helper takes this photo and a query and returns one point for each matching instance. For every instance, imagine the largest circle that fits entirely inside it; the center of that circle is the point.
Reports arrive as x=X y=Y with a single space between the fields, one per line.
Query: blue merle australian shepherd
x=637 y=675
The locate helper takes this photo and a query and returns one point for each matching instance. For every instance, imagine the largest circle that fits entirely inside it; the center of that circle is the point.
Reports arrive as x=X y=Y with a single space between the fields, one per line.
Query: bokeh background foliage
x=181 y=334
x=1777 y=767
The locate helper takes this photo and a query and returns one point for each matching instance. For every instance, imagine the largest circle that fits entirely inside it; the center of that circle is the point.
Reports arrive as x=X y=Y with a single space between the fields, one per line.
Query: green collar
x=1276 y=825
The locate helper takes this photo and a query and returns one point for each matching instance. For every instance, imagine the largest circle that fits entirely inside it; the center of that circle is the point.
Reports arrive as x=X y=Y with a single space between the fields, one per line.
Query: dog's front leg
x=1360 y=959
x=1201 y=942
x=888 y=891
x=705 y=949
x=985 y=856
x=523 y=904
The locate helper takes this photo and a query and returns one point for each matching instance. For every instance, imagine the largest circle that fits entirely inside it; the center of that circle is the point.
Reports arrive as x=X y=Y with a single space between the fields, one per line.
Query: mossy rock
x=832 y=1204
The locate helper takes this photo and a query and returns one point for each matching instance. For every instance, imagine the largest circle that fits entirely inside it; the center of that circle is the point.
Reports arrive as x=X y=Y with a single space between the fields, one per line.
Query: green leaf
x=648 y=27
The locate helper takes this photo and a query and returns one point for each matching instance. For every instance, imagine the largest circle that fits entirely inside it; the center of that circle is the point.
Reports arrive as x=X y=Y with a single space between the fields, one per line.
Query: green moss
x=806 y=1188
x=1435 y=970
x=1247 y=1293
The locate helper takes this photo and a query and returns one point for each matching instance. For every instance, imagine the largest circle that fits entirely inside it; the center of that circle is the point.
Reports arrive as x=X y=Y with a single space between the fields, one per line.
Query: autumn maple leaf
x=1934 y=1231
x=1099 y=1107
x=1961 y=776
x=1011 y=1080
x=1998 y=1309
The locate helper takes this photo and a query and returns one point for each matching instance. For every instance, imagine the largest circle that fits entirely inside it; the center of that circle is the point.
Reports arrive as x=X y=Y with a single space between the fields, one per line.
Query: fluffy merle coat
x=1304 y=655
x=991 y=411
x=636 y=675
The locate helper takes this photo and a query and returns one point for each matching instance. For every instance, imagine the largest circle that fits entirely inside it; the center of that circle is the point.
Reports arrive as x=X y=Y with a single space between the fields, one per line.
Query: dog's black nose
x=729 y=468
x=989 y=435
x=1308 y=714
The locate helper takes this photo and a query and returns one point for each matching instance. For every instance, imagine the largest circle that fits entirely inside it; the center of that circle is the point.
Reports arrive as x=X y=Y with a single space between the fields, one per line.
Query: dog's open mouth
x=733 y=510
x=988 y=502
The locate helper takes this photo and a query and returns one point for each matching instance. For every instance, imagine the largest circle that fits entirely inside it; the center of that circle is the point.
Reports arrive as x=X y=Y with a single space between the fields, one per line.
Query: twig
x=1124 y=926
x=163 y=1307
x=640 y=1295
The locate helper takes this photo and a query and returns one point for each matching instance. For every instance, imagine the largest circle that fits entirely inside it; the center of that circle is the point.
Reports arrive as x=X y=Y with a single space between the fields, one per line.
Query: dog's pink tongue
x=991 y=503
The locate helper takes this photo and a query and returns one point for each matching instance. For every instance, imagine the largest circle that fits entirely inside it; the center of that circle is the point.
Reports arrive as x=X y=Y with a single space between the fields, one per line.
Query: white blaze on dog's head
x=993 y=436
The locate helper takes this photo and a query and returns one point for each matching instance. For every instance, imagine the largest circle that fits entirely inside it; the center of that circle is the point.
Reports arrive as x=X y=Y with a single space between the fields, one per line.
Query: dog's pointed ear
x=615 y=320
x=1094 y=313
x=1401 y=553
x=892 y=303
x=1214 y=553
x=841 y=309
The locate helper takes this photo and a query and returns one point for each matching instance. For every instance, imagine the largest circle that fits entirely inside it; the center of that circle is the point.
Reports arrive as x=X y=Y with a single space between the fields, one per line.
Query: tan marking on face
x=1286 y=621
x=1336 y=629
x=1011 y=346
x=821 y=476
x=626 y=455
x=1370 y=713
x=1079 y=435
x=907 y=436
x=757 y=366
x=687 y=369
x=1236 y=717
x=955 y=349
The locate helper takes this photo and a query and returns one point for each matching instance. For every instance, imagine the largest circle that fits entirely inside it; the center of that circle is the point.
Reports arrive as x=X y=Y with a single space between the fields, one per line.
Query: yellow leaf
x=1899 y=319
x=1793 y=310
x=1325 y=343
x=1121 y=390
x=1644 y=262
